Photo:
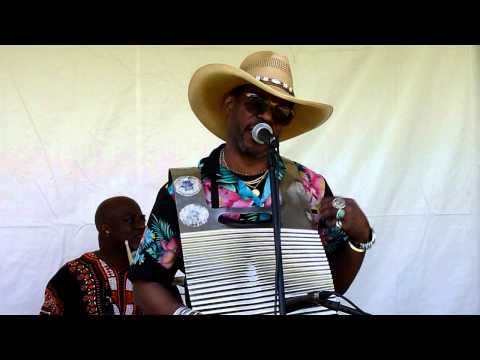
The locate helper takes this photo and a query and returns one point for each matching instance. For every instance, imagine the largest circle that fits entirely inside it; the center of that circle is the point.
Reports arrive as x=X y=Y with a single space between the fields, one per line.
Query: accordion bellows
x=232 y=272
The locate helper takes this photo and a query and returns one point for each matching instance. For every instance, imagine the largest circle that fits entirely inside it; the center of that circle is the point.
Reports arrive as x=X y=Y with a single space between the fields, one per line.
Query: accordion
x=230 y=268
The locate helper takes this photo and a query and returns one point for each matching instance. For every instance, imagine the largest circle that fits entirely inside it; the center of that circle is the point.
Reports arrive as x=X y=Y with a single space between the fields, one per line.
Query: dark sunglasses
x=255 y=104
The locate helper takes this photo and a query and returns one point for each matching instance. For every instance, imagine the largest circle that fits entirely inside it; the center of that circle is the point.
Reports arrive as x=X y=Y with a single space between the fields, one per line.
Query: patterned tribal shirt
x=88 y=286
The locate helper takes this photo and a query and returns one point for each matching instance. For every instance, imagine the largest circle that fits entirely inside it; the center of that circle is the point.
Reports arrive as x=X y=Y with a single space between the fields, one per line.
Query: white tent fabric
x=83 y=123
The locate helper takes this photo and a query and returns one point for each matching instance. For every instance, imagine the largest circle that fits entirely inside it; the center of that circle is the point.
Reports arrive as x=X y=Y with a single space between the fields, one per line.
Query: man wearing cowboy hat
x=230 y=101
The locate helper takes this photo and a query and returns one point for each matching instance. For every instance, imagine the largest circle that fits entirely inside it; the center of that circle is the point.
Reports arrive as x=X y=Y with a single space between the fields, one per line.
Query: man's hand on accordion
x=345 y=214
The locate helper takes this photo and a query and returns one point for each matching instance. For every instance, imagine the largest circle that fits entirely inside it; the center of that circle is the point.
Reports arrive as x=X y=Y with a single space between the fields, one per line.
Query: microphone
x=262 y=133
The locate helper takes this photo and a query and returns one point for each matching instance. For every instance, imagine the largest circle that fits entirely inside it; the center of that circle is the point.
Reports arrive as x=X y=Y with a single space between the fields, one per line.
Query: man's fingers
x=326 y=202
x=328 y=213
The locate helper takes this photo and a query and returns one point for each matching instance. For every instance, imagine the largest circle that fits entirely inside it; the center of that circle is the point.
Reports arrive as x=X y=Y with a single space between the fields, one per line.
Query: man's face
x=126 y=222
x=243 y=114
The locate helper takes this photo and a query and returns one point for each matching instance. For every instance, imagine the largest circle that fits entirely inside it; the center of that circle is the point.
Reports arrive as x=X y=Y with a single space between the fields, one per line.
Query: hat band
x=275 y=82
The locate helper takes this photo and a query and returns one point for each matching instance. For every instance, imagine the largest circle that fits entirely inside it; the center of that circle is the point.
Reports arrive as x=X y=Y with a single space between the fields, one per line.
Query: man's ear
x=228 y=104
x=105 y=229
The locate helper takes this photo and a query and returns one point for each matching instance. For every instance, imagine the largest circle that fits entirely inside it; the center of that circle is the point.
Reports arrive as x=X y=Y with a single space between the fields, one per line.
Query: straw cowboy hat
x=264 y=69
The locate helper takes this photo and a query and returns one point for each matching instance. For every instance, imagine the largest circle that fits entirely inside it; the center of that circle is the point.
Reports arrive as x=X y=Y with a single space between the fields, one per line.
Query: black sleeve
x=63 y=295
x=162 y=227
x=328 y=191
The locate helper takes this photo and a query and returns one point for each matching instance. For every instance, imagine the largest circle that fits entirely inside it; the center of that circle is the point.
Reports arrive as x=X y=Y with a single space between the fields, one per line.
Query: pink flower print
x=168 y=257
x=231 y=199
x=268 y=202
x=232 y=216
x=207 y=190
x=227 y=197
x=314 y=184
x=242 y=203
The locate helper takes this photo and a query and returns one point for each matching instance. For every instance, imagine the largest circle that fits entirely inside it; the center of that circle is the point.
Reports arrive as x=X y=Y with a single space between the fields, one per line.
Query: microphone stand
x=273 y=152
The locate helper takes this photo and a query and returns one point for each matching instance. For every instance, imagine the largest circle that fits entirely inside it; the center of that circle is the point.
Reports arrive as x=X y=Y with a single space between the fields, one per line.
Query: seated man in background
x=96 y=283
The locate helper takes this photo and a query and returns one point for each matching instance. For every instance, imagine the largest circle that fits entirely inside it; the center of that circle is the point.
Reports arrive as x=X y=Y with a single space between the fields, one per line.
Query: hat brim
x=210 y=84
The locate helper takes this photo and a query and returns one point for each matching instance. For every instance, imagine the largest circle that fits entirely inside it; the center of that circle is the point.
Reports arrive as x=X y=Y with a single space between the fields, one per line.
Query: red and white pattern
x=100 y=287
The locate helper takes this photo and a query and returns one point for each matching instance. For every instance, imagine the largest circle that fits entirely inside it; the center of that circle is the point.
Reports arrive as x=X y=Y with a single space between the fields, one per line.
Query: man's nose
x=140 y=224
x=267 y=116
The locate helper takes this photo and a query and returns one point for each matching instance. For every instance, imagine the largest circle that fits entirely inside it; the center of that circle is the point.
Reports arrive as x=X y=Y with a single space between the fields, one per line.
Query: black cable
x=321 y=298
x=350 y=302
x=347 y=300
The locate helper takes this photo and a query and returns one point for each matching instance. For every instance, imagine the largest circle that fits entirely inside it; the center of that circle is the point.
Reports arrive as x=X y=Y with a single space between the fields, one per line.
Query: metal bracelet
x=354 y=248
x=362 y=247
x=183 y=310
